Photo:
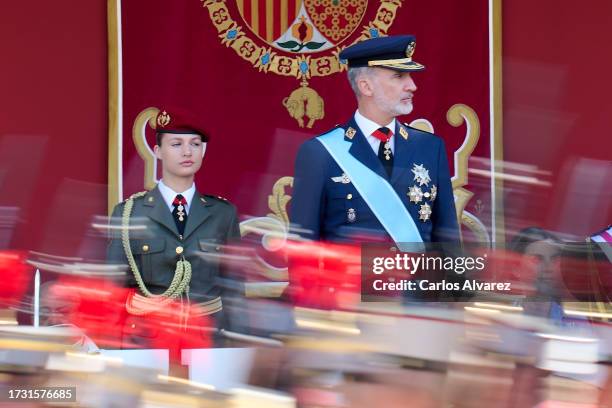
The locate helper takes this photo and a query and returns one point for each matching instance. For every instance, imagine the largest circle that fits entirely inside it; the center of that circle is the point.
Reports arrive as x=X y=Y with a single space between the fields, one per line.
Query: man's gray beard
x=403 y=109
x=394 y=109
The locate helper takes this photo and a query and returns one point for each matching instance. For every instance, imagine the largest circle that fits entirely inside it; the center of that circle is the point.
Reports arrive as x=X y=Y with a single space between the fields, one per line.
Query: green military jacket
x=156 y=245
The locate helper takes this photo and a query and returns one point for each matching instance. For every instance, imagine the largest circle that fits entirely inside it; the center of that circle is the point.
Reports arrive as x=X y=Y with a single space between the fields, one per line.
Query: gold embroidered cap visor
x=408 y=66
x=393 y=52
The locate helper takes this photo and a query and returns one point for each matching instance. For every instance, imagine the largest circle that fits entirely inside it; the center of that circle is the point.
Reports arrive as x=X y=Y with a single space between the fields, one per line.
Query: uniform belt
x=207 y=308
x=145 y=305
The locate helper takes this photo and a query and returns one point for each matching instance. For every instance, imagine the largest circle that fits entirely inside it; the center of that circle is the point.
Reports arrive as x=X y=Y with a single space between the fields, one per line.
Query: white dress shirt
x=169 y=195
x=368 y=127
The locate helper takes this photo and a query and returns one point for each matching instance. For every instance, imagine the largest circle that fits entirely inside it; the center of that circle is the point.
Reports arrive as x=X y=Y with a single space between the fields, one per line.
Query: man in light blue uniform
x=374 y=178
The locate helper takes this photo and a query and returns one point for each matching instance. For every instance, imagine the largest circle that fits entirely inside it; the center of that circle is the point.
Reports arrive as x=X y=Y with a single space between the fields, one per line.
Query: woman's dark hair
x=530 y=235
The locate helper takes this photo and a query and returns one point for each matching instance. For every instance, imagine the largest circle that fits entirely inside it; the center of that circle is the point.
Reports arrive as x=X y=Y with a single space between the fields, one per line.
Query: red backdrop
x=53 y=116
x=53 y=121
x=173 y=55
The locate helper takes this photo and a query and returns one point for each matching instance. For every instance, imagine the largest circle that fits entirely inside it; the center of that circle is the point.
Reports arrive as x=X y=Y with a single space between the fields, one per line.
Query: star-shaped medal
x=424 y=212
x=421 y=174
x=415 y=194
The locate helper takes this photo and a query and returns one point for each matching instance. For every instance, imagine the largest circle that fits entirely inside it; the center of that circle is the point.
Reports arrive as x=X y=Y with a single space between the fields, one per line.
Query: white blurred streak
x=118 y=227
x=37 y=298
x=512 y=177
x=81 y=269
x=252 y=339
x=515 y=166
x=323 y=326
x=481 y=310
x=333 y=321
x=568 y=354
x=183 y=381
x=575 y=339
x=601 y=315
x=95 y=357
x=259 y=397
x=498 y=306
x=55 y=257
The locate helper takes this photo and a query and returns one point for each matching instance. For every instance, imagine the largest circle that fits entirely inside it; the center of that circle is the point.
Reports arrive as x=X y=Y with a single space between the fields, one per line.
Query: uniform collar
x=168 y=195
x=368 y=126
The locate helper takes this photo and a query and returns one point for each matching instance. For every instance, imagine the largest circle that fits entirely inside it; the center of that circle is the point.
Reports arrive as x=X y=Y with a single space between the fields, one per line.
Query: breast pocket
x=148 y=252
x=349 y=205
x=339 y=200
x=211 y=250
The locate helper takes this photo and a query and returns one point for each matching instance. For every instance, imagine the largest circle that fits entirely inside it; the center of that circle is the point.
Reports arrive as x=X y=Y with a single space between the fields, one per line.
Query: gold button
x=349 y=196
x=145 y=248
x=179 y=250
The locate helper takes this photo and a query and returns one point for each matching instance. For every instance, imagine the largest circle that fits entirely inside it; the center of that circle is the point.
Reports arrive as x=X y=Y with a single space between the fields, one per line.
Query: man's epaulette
x=349 y=132
x=415 y=128
x=337 y=126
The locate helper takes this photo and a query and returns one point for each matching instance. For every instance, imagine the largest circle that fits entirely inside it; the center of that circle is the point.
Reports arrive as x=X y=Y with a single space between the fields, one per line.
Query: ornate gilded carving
x=147 y=116
x=278 y=200
x=458 y=115
x=476 y=226
x=328 y=16
x=305 y=102
x=335 y=20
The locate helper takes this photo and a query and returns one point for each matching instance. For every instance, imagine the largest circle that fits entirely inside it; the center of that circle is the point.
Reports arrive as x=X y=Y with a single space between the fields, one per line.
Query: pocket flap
x=209 y=245
x=148 y=246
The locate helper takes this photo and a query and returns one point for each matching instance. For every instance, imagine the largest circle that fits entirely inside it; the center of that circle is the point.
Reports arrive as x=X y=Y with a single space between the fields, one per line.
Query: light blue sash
x=376 y=191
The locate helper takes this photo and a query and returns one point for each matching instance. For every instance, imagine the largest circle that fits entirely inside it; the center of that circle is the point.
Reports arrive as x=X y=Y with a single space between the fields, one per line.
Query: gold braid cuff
x=180 y=281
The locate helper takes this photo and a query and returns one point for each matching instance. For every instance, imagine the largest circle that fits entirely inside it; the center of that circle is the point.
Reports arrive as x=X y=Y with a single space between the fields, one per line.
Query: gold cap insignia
x=163 y=119
x=350 y=133
x=410 y=49
x=403 y=132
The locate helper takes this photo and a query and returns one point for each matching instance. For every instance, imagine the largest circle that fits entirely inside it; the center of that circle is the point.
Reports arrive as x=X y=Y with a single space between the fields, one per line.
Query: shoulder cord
x=182 y=273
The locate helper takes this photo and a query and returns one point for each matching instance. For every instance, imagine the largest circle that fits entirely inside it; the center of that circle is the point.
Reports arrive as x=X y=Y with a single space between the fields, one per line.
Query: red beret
x=177 y=120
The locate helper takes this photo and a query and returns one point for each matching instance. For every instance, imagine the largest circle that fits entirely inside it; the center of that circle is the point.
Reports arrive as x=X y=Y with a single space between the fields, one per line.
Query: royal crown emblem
x=410 y=49
x=299 y=38
x=163 y=119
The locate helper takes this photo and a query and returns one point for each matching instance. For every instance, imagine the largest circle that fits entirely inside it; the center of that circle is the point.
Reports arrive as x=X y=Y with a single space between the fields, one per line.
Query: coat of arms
x=298 y=38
